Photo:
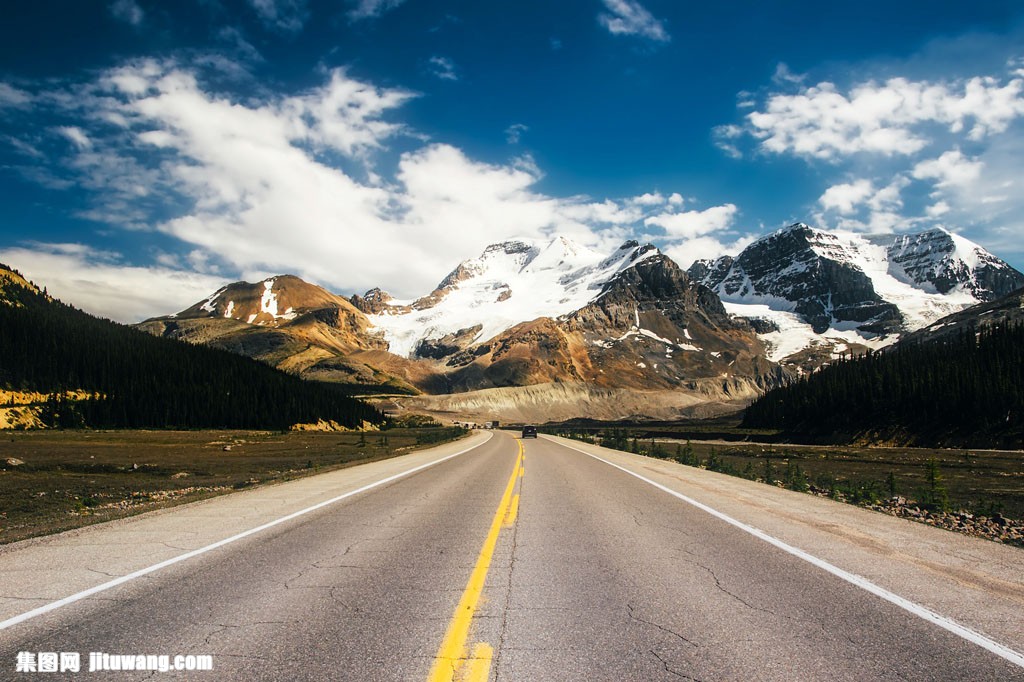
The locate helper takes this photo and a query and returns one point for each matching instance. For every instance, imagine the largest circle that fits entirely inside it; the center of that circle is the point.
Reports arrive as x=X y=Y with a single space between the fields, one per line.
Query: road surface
x=513 y=560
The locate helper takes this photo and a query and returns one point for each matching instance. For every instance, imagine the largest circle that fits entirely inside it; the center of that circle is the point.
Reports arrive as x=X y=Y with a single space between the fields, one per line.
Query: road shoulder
x=39 y=571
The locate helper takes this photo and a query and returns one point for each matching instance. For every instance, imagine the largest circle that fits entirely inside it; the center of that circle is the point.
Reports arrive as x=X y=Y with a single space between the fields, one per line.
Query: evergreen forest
x=963 y=390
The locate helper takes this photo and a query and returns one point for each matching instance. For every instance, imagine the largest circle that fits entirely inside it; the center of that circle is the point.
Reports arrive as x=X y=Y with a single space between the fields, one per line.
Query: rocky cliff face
x=813 y=270
x=948 y=262
x=816 y=294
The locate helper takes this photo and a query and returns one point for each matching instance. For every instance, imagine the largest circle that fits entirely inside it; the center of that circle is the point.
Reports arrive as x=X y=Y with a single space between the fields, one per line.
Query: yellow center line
x=453 y=652
x=513 y=509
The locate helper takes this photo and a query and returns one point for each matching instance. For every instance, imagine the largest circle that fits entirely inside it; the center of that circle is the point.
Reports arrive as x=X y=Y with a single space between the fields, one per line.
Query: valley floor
x=53 y=480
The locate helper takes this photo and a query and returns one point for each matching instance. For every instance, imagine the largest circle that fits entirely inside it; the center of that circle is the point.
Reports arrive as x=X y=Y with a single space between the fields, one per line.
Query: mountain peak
x=515 y=281
x=272 y=301
x=510 y=247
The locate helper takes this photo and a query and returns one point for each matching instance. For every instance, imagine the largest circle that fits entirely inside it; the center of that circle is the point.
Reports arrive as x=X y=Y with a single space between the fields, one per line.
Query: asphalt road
x=549 y=566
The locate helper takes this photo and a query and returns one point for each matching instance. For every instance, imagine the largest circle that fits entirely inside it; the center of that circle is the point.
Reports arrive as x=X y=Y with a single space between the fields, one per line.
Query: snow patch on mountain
x=792 y=334
x=208 y=304
x=511 y=282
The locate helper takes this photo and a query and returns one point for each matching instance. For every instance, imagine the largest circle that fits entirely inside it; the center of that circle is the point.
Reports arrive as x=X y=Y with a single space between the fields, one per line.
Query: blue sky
x=150 y=152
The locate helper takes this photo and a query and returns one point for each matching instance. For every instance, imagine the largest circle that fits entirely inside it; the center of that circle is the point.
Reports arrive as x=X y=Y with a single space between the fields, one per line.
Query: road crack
x=633 y=616
x=668 y=669
x=507 y=608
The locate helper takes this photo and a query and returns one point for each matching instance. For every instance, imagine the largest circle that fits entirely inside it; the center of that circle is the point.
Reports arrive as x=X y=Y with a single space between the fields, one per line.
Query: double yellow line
x=453 y=660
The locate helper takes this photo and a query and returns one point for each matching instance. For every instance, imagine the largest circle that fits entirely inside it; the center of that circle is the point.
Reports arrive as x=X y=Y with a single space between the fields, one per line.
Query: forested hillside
x=148 y=382
x=963 y=390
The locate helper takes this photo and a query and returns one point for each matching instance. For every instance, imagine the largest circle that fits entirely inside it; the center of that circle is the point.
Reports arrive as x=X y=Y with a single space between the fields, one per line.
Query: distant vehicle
x=529 y=432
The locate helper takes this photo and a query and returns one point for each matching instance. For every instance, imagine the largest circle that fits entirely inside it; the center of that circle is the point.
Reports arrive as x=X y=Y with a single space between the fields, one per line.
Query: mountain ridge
x=849 y=289
x=544 y=312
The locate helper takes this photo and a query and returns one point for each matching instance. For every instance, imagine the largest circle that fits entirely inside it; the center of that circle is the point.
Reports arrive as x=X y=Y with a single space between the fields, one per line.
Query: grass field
x=57 y=480
x=981 y=481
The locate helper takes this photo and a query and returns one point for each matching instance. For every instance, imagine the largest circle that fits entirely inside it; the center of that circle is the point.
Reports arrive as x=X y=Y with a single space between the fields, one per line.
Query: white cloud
x=687 y=251
x=290 y=183
x=13 y=97
x=127 y=11
x=781 y=76
x=515 y=132
x=288 y=16
x=607 y=212
x=243 y=49
x=649 y=199
x=76 y=136
x=952 y=169
x=846 y=197
x=691 y=224
x=99 y=284
x=939 y=151
x=889 y=118
x=725 y=136
x=369 y=9
x=889 y=197
x=851 y=197
x=628 y=17
x=443 y=68
x=862 y=206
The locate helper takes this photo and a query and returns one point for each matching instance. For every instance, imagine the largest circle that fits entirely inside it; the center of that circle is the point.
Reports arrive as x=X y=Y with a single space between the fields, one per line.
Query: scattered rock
x=14 y=462
x=997 y=527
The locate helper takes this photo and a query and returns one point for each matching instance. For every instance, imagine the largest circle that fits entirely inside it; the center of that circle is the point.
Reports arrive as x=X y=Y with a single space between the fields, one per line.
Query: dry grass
x=67 y=479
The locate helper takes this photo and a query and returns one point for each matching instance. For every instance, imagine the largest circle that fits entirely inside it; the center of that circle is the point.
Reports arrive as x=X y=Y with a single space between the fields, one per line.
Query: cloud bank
x=299 y=183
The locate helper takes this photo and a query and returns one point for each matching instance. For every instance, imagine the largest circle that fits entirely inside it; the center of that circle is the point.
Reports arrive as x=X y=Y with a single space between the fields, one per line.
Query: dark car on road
x=529 y=432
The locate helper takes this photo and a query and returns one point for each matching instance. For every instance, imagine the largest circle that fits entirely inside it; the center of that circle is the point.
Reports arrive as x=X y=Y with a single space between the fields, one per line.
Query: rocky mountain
x=522 y=314
x=649 y=327
x=550 y=321
x=813 y=294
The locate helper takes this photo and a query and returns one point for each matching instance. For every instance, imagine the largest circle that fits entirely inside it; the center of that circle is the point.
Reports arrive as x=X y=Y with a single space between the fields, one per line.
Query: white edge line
x=52 y=606
x=921 y=611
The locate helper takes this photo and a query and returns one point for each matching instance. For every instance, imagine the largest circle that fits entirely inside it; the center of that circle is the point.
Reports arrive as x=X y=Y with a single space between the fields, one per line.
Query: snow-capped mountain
x=511 y=282
x=805 y=288
x=609 y=335
x=564 y=327
x=647 y=328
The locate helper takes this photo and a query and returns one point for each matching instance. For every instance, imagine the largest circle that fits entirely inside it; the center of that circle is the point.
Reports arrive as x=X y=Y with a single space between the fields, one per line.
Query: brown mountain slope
x=288 y=323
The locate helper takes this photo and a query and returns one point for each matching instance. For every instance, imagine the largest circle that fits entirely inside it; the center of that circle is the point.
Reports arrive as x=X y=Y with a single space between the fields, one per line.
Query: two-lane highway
x=515 y=560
